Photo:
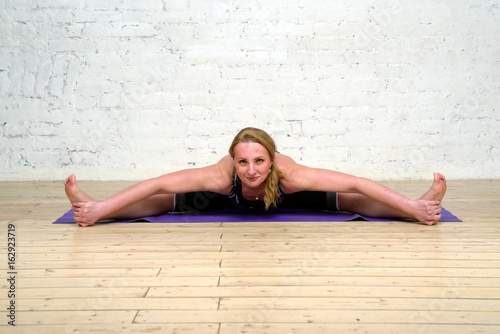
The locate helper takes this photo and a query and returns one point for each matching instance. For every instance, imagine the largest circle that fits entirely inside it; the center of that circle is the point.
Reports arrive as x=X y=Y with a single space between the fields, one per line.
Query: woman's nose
x=251 y=169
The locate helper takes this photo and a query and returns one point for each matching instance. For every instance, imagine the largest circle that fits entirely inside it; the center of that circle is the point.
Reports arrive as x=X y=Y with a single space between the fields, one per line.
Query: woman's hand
x=85 y=213
x=427 y=211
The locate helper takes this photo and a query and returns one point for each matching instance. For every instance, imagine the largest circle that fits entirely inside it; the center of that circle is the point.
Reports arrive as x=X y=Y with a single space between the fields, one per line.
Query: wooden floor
x=351 y=277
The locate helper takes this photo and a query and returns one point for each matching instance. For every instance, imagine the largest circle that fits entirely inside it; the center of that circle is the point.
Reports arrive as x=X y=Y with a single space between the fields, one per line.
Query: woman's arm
x=216 y=178
x=298 y=177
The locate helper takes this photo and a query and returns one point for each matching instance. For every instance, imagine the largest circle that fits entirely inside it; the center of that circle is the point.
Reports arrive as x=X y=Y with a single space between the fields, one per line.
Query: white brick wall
x=130 y=89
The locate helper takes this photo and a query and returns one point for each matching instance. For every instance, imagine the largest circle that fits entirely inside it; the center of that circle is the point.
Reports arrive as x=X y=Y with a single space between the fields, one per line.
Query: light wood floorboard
x=235 y=278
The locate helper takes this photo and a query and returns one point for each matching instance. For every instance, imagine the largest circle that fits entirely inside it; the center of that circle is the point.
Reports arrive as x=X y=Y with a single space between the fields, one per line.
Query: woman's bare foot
x=73 y=191
x=438 y=189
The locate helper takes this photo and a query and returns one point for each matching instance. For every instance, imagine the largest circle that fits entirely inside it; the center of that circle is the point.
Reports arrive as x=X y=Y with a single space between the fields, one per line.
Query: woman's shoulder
x=292 y=173
x=284 y=162
x=225 y=167
x=286 y=166
x=226 y=164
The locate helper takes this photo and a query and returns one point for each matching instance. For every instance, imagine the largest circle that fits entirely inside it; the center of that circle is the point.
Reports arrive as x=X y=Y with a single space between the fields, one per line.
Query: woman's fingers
x=80 y=213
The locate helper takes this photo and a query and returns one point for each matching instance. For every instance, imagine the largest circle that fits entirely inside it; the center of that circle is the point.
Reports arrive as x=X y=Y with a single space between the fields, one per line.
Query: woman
x=254 y=175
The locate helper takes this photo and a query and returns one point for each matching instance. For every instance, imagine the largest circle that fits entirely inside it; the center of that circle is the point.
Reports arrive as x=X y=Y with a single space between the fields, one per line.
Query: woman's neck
x=253 y=194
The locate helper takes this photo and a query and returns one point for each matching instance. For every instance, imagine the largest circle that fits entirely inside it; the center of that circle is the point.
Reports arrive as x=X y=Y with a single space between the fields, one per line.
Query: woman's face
x=252 y=163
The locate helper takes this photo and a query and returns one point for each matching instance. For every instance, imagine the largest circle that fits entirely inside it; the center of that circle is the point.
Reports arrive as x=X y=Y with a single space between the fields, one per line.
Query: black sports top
x=206 y=200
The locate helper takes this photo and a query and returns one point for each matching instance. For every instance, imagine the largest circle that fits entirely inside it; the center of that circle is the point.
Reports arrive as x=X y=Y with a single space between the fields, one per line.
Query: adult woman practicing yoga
x=255 y=176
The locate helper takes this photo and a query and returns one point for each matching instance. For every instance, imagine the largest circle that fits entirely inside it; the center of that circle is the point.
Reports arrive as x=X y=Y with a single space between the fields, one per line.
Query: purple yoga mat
x=237 y=215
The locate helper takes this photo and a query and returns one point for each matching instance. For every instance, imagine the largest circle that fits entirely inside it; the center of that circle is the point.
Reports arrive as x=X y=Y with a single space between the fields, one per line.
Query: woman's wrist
x=411 y=208
x=101 y=208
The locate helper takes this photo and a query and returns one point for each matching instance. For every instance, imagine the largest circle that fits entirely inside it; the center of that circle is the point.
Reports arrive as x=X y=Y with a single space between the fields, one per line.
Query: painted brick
x=128 y=89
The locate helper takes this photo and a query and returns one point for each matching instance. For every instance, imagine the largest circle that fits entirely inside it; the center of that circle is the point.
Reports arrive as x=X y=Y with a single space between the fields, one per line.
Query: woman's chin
x=253 y=182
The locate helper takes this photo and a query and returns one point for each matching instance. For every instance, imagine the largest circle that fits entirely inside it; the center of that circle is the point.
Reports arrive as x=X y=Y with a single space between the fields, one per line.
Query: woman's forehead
x=249 y=150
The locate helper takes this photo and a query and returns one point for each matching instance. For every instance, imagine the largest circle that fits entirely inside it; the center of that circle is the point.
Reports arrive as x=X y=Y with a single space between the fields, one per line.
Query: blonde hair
x=255 y=135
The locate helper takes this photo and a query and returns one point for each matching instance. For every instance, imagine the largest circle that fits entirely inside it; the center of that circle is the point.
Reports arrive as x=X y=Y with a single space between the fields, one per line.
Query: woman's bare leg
x=358 y=203
x=152 y=206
